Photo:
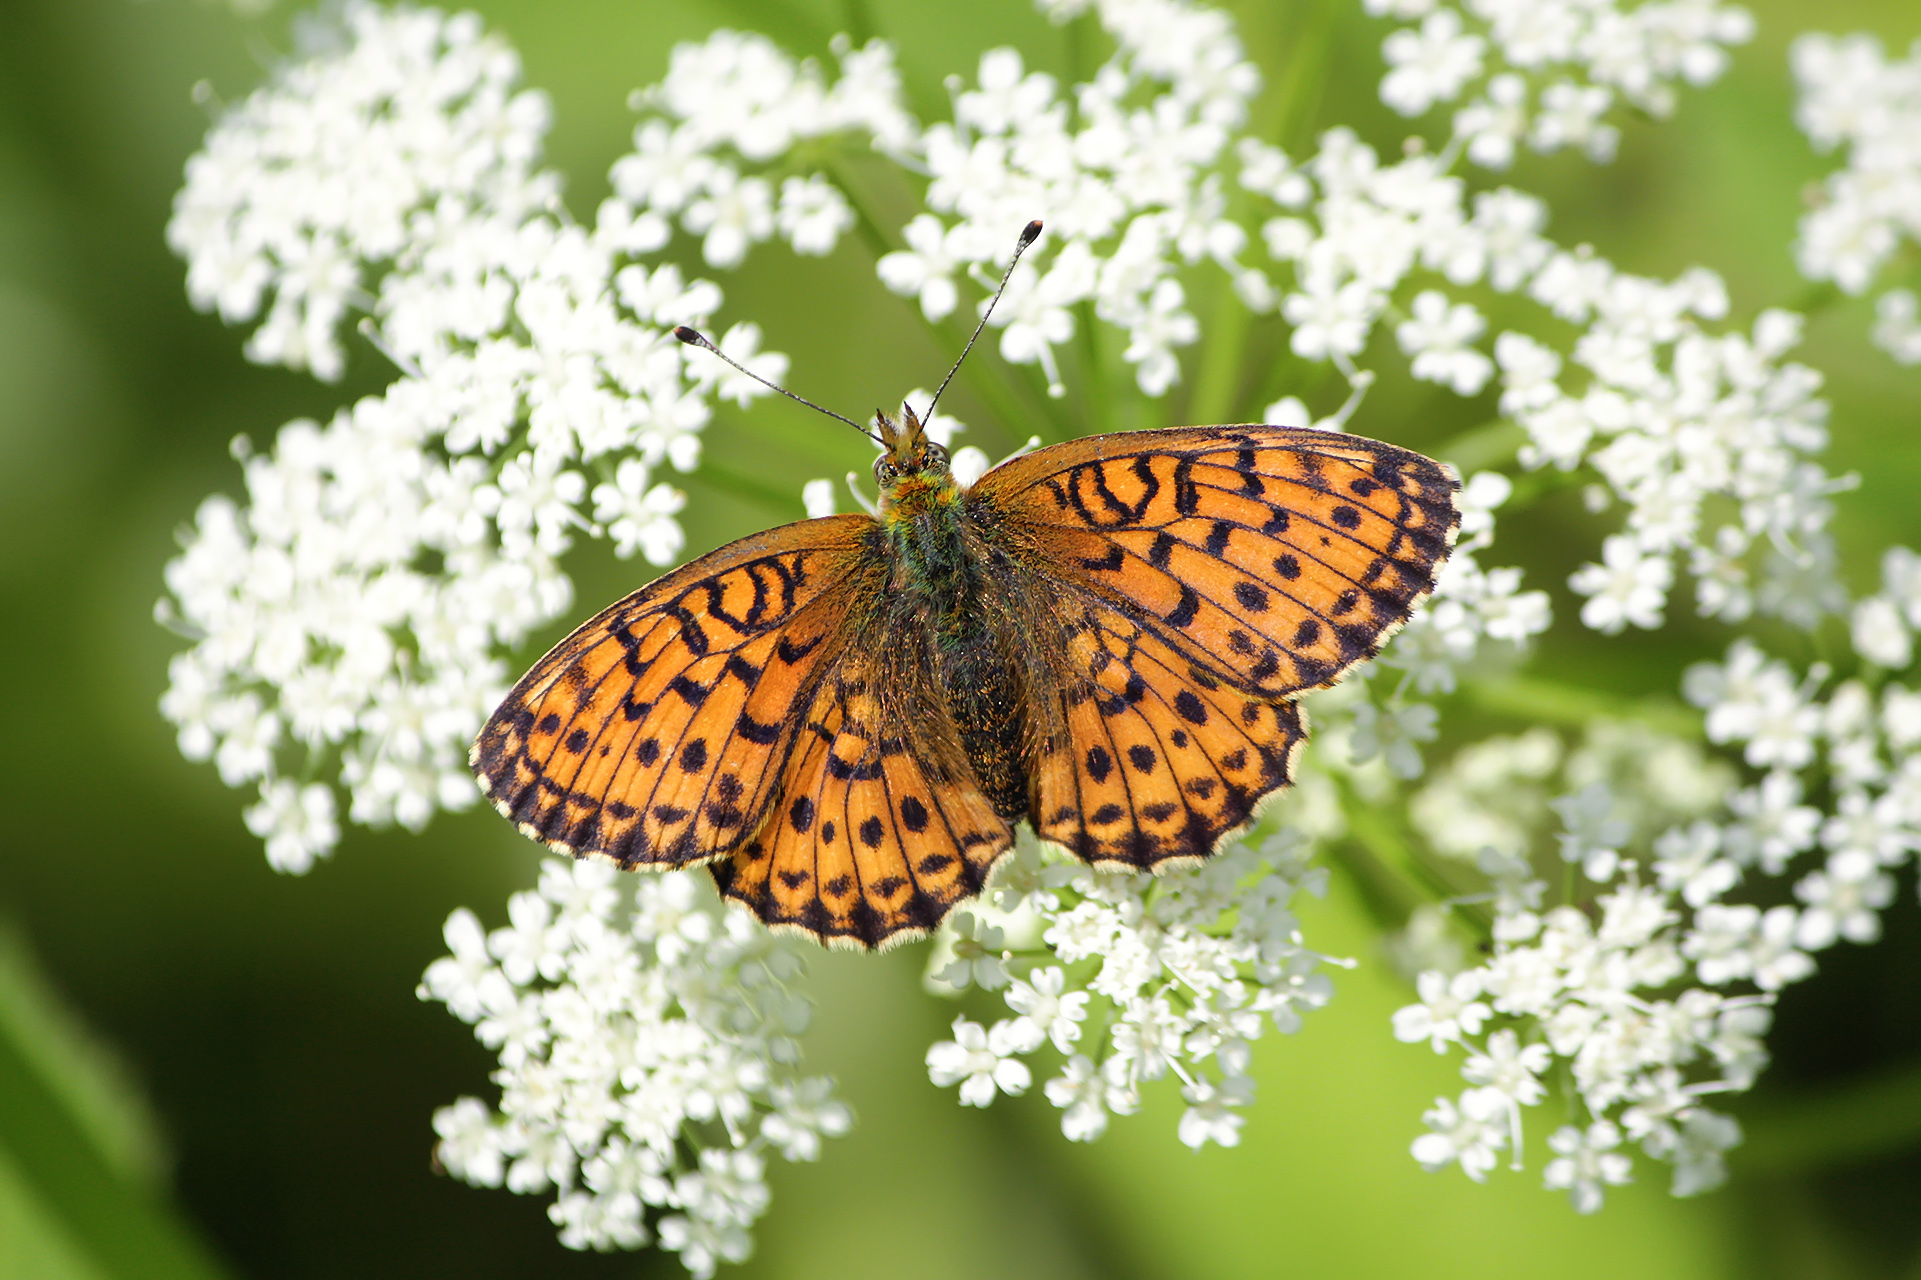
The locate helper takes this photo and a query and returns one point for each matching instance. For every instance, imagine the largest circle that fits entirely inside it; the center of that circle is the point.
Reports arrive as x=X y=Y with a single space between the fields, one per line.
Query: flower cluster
x=1131 y=977
x=1664 y=839
x=1852 y=97
x=711 y=133
x=1547 y=72
x=1125 y=167
x=647 y=1061
x=1707 y=439
x=353 y=613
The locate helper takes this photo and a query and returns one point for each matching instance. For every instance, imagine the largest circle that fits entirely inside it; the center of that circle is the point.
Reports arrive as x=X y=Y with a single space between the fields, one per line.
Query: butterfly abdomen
x=940 y=574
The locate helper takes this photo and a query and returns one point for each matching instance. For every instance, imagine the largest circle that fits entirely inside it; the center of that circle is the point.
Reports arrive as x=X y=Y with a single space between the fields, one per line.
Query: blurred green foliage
x=288 y=1071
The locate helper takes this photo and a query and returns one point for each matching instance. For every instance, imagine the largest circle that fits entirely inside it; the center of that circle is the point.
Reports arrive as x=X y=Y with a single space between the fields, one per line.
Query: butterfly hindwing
x=1280 y=556
x=655 y=734
x=881 y=828
x=1154 y=760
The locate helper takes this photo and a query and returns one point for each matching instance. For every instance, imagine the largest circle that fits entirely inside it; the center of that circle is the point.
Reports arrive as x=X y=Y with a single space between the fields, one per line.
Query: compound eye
x=884 y=471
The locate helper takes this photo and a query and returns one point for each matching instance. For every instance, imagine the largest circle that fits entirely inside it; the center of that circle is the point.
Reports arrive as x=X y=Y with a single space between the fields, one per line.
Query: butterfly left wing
x=880 y=828
x=654 y=735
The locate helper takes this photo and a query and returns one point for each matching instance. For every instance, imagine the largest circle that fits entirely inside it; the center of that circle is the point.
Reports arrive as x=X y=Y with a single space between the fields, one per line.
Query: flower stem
x=1551 y=702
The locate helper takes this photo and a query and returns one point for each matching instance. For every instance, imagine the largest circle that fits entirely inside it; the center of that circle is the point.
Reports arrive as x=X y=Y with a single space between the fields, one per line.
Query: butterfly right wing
x=1149 y=760
x=656 y=734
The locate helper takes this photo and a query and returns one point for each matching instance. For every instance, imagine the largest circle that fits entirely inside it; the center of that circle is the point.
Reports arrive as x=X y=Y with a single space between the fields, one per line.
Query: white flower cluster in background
x=1547 y=72
x=1130 y=978
x=1707 y=439
x=733 y=104
x=1124 y=168
x=1603 y=995
x=648 y=1061
x=350 y=617
x=1855 y=99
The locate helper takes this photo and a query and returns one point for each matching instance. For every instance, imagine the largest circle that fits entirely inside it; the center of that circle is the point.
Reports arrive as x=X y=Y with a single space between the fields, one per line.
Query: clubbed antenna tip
x=1029 y=234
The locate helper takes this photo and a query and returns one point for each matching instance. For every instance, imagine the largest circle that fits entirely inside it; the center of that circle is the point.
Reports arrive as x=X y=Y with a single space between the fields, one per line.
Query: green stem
x=1394 y=878
x=1550 y=702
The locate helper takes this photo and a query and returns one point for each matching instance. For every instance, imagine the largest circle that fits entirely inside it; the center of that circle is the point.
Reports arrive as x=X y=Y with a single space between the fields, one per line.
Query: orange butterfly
x=843 y=718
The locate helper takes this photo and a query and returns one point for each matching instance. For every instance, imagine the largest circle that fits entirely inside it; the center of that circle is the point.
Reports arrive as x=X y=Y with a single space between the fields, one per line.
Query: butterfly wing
x=1155 y=758
x=881 y=827
x=656 y=734
x=1198 y=578
x=1280 y=556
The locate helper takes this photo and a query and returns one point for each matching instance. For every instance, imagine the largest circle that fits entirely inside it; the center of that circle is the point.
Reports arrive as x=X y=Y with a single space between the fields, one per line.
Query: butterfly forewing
x=1276 y=556
x=656 y=733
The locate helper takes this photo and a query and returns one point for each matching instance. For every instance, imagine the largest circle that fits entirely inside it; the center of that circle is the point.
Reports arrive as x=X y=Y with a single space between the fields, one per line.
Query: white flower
x=1509 y=1068
x=1844 y=900
x=1494 y=123
x=1448 y=1010
x=1897 y=325
x=817 y=498
x=1048 y=1011
x=1587 y=1164
x=1686 y=859
x=925 y=269
x=1429 y=66
x=1698 y=1153
x=1881 y=633
x=624 y=1056
x=980 y=1061
x=1086 y=1097
x=734 y=213
x=1470 y=1133
x=1593 y=836
x=297 y=823
x=1438 y=337
x=471 y=1143
x=1391 y=733
x=1208 y=1118
x=639 y=516
x=1629 y=587
x=1330 y=320
x=804 y=1112
x=1776 y=961
x=813 y=215
x=978 y=950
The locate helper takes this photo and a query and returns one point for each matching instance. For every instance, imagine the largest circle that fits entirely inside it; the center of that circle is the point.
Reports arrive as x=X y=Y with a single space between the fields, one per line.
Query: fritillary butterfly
x=844 y=718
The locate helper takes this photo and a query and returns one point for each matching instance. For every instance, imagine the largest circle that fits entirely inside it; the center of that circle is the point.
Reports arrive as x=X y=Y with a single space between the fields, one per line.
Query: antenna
x=695 y=338
x=1030 y=233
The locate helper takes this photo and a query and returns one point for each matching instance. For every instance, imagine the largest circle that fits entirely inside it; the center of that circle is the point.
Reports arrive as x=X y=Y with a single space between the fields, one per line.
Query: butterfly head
x=912 y=468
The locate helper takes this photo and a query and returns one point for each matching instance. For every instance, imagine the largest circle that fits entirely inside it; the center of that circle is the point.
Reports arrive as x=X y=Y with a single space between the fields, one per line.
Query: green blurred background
x=208 y=1069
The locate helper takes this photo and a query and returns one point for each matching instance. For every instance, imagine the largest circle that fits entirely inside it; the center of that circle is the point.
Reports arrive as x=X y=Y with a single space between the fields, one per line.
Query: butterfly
x=844 y=718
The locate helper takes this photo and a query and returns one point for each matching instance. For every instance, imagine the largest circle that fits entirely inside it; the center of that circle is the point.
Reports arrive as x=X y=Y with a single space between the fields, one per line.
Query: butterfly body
x=845 y=717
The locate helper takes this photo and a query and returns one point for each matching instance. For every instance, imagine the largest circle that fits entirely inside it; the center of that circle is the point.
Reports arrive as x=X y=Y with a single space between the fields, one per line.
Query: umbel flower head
x=354 y=618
